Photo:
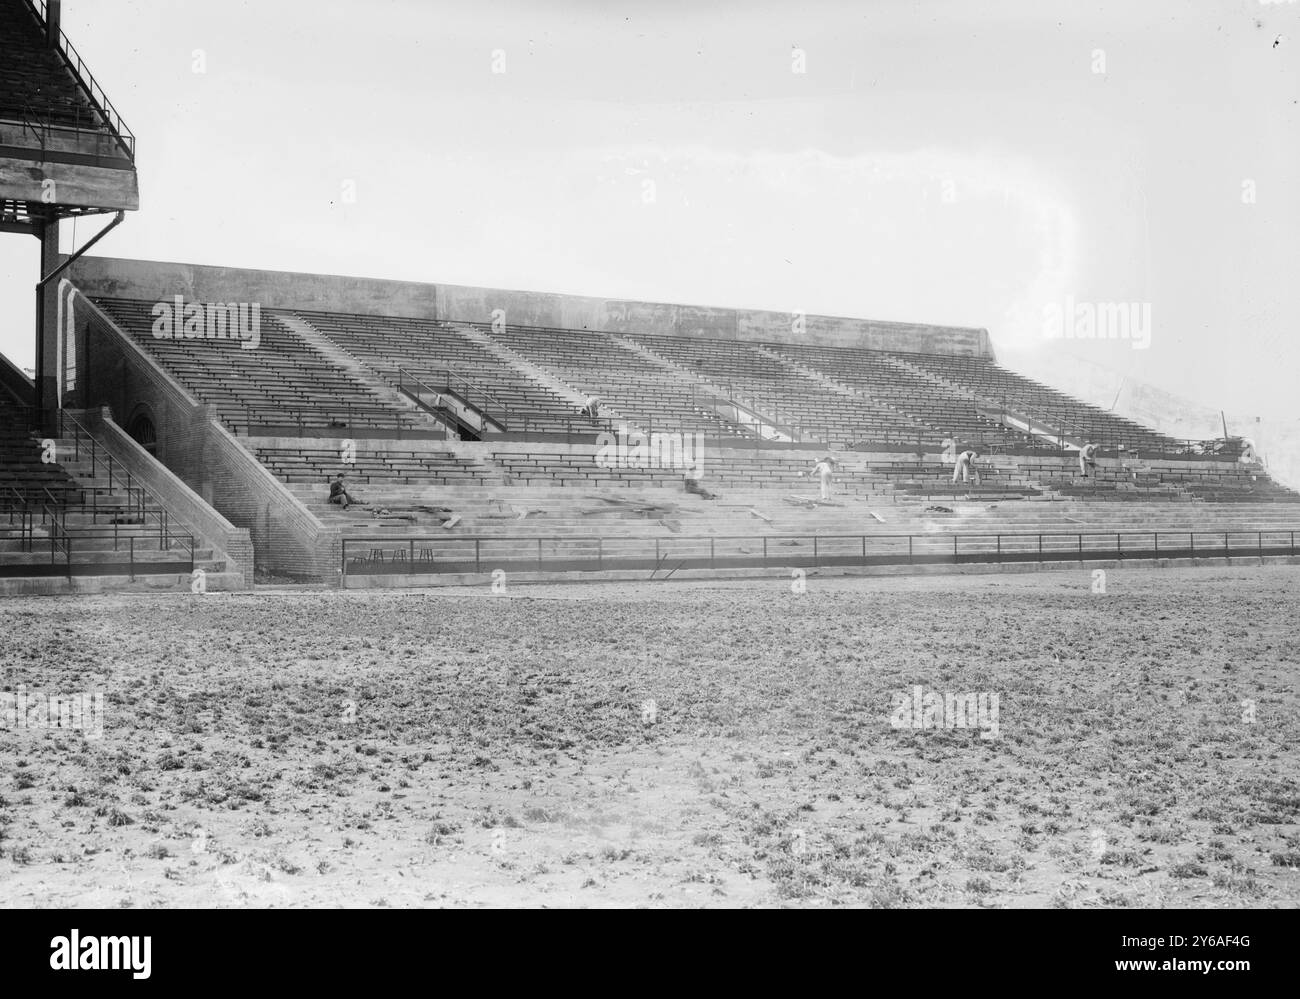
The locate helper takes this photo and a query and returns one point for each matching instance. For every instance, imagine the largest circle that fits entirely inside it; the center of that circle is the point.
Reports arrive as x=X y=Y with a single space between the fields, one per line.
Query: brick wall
x=114 y=372
x=289 y=539
x=182 y=503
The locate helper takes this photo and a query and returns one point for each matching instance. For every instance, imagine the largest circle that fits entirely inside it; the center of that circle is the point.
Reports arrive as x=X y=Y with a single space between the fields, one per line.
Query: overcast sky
x=972 y=163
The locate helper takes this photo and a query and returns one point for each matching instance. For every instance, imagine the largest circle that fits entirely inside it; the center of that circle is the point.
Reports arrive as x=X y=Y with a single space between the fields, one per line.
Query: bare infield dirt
x=679 y=744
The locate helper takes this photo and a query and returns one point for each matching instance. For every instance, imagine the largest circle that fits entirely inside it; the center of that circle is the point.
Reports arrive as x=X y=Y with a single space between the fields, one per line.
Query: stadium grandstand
x=187 y=421
x=232 y=398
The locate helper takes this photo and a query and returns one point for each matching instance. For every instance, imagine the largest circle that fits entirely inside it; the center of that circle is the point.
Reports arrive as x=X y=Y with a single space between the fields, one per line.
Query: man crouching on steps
x=1088 y=459
x=339 y=492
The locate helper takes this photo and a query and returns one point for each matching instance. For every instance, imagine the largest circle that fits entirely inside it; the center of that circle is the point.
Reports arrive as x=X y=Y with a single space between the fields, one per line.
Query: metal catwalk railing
x=89 y=86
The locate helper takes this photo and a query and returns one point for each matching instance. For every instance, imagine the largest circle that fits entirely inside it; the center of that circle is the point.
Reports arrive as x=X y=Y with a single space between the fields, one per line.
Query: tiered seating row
x=1072 y=417
x=876 y=375
x=281 y=382
x=782 y=392
x=1210 y=483
x=930 y=478
x=629 y=386
x=426 y=348
x=767 y=471
x=319 y=465
x=286 y=375
x=535 y=468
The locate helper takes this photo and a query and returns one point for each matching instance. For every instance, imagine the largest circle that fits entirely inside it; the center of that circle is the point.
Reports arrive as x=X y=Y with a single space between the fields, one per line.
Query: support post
x=47 y=332
x=53 y=17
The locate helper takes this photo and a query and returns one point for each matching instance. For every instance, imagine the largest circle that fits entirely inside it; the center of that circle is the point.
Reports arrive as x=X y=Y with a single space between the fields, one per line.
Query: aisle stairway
x=69 y=511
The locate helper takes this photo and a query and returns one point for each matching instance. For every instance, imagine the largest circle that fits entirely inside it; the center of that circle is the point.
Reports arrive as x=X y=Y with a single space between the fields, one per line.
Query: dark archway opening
x=144 y=433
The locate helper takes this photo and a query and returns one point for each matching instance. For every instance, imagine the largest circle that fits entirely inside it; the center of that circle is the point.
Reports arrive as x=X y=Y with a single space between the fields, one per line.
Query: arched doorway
x=143 y=432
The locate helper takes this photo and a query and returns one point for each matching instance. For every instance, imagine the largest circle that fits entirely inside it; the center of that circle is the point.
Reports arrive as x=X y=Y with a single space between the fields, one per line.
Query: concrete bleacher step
x=538 y=373
x=140 y=544
x=100 y=555
x=891 y=414
x=345 y=361
x=301 y=387
x=216 y=581
x=560 y=518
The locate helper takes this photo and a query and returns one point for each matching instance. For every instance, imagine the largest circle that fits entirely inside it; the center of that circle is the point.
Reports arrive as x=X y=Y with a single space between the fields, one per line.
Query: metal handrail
x=54 y=516
x=55 y=541
x=57 y=512
x=471 y=388
x=470 y=385
x=453 y=539
x=997 y=548
x=43 y=124
x=25 y=524
x=764 y=411
x=136 y=493
x=64 y=540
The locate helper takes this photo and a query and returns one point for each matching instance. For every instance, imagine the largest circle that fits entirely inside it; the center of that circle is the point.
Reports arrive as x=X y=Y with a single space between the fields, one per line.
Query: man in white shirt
x=965 y=466
x=1088 y=459
x=825 y=471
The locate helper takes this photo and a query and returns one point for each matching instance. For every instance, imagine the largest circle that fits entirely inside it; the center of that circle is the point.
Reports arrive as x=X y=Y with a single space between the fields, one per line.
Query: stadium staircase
x=72 y=517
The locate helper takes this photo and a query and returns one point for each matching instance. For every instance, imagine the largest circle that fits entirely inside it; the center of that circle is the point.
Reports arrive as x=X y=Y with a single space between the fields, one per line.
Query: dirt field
x=693 y=744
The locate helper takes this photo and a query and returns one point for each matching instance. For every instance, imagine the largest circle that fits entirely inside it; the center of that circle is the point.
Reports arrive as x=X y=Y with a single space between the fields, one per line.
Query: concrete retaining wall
x=146 y=279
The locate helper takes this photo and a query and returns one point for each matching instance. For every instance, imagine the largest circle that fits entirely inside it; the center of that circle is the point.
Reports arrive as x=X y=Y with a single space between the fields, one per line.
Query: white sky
x=821 y=191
